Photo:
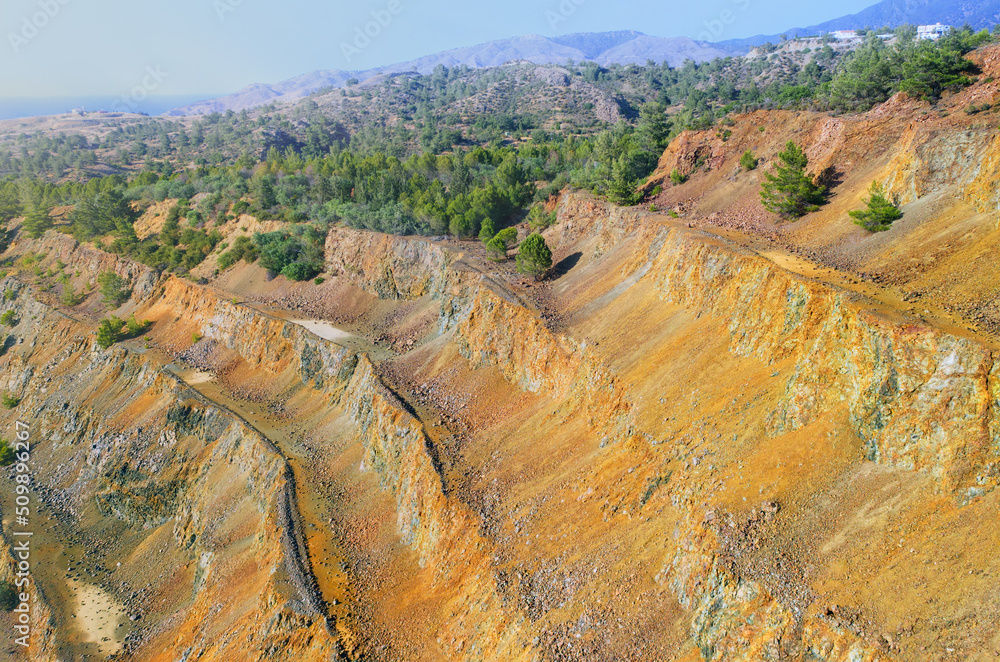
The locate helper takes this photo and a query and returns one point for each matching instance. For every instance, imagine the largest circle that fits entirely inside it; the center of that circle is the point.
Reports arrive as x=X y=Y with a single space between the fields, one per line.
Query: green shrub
x=134 y=328
x=497 y=246
x=299 y=271
x=7 y=455
x=8 y=596
x=534 y=257
x=243 y=249
x=881 y=210
x=789 y=191
x=9 y=318
x=10 y=400
x=113 y=330
x=539 y=219
x=114 y=288
x=109 y=332
x=748 y=161
x=676 y=178
x=295 y=257
x=319 y=280
x=973 y=109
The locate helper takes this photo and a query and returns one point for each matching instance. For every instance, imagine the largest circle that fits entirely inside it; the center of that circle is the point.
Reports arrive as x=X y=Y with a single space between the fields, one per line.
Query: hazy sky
x=174 y=47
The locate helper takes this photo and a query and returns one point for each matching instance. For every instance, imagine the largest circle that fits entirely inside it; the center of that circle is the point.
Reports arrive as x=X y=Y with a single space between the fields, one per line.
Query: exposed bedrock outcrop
x=121 y=441
x=913 y=153
x=443 y=532
x=86 y=262
x=921 y=398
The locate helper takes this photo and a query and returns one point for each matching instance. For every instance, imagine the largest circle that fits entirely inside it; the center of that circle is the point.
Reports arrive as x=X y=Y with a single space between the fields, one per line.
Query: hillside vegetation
x=441 y=154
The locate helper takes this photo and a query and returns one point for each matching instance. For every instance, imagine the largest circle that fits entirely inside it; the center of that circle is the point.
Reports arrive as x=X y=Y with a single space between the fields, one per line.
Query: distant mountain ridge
x=620 y=47
x=978 y=14
x=605 y=48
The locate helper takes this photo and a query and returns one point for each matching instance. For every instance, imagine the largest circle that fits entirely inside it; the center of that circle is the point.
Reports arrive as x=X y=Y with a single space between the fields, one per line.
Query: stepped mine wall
x=133 y=440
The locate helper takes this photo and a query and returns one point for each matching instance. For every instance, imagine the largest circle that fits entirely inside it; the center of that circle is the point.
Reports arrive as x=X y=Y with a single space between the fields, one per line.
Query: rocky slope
x=140 y=473
x=905 y=397
x=937 y=160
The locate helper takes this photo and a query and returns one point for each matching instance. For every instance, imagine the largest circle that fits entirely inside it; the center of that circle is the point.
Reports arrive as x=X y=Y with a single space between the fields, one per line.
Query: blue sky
x=107 y=47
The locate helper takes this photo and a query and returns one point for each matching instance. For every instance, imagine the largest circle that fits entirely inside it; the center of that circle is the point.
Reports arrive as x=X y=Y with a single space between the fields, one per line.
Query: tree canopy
x=789 y=191
x=534 y=257
x=880 y=212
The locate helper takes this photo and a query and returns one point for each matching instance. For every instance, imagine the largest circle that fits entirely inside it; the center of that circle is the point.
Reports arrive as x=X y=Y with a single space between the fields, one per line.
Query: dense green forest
x=459 y=152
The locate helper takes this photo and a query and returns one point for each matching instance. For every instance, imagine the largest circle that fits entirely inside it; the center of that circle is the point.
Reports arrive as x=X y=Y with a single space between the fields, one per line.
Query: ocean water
x=14 y=107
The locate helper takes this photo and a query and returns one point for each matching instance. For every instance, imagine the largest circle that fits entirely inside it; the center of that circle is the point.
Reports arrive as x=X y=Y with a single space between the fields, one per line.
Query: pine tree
x=789 y=191
x=654 y=127
x=264 y=194
x=37 y=221
x=881 y=212
x=621 y=186
x=534 y=257
x=109 y=332
x=512 y=180
x=498 y=245
x=487 y=230
x=114 y=288
x=70 y=297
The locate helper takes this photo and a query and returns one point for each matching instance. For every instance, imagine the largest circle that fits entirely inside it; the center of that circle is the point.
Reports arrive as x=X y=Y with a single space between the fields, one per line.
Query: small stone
x=770 y=507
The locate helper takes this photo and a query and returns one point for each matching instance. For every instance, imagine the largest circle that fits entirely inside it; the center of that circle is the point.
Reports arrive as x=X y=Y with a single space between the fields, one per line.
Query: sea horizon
x=24 y=107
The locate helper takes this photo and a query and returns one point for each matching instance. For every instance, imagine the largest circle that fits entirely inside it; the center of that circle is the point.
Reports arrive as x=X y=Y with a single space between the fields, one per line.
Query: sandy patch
x=98 y=616
x=197 y=376
x=323 y=330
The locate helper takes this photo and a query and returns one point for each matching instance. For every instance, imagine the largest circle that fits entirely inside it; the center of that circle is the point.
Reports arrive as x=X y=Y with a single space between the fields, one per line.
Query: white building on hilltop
x=932 y=32
x=841 y=35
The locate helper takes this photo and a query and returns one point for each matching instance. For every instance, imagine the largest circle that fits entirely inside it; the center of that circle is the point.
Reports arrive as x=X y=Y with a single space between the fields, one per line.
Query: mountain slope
x=672 y=51
x=593 y=44
x=605 y=48
x=892 y=12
